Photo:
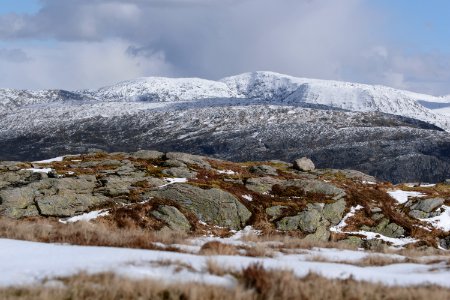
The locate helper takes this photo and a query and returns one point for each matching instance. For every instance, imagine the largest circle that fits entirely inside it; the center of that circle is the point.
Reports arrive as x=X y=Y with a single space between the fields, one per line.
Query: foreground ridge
x=195 y=194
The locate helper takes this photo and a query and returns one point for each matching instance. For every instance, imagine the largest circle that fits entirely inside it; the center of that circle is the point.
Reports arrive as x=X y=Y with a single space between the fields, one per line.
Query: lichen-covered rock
x=304 y=164
x=393 y=230
x=18 y=202
x=66 y=203
x=147 y=154
x=213 y=206
x=353 y=241
x=189 y=159
x=389 y=229
x=334 y=212
x=180 y=173
x=275 y=211
x=428 y=205
x=20 y=177
x=173 y=163
x=288 y=223
x=174 y=219
x=308 y=221
x=317 y=186
x=263 y=170
x=322 y=234
x=115 y=186
x=262 y=184
x=418 y=214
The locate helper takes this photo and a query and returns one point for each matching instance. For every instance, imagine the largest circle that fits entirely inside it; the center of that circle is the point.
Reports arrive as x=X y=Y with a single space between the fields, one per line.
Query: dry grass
x=86 y=234
x=373 y=260
x=218 y=248
x=254 y=283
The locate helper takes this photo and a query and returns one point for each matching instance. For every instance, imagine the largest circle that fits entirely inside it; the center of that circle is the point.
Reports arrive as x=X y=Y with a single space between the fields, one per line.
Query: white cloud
x=102 y=41
x=78 y=65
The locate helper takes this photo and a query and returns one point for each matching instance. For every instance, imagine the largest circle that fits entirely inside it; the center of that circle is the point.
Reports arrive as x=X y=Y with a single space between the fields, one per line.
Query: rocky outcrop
x=264 y=170
x=262 y=184
x=425 y=208
x=213 y=206
x=316 y=186
x=184 y=192
x=174 y=219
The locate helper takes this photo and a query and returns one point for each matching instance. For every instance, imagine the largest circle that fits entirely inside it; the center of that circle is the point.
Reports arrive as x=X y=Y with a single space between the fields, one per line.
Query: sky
x=78 y=44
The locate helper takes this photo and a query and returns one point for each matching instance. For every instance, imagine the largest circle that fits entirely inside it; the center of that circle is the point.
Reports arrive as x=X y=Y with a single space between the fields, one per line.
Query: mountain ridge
x=267 y=86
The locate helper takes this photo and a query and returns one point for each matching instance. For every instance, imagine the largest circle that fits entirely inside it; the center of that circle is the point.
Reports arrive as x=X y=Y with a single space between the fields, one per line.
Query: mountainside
x=254 y=116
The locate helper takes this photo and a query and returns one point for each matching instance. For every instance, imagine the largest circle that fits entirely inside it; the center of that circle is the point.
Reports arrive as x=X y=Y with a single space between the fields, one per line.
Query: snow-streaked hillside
x=157 y=89
x=345 y=95
x=269 y=87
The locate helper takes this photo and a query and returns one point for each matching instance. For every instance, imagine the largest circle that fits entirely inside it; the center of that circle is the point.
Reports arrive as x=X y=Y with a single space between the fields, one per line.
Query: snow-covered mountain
x=345 y=95
x=268 y=87
x=392 y=134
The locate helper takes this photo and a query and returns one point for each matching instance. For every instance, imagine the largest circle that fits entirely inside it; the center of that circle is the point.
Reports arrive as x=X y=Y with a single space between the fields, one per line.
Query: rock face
x=174 y=219
x=304 y=164
x=264 y=170
x=262 y=184
x=386 y=228
x=316 y=186
x=18 y=203
x=425 y=208
x=307 y=221
x=275 y=211
x=211 y=205
x=334 y=212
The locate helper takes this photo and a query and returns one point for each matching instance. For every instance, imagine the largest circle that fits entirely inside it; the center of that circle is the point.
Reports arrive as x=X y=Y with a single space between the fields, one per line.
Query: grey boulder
x=213 y=206
x=304 y=164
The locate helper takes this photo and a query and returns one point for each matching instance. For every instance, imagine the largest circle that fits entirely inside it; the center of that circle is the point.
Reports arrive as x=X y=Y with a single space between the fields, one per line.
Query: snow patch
x=46 y=161
x=402 y=196
x=442 y=221
x=173 y=180
x=43 y=170
x=248 y=197
x=85 y=217
x=227 y=172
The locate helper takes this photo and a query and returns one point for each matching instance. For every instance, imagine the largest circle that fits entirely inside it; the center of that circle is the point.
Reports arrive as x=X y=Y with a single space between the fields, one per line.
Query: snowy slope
x=269 y=87
x=157 y=89
x=345 y=95
x=26 y=263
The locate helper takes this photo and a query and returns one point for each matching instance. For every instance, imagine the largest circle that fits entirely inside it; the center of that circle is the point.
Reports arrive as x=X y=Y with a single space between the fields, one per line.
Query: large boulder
x=18 y=202
x=428 y=205
x=304 y=164
x=334 y=212
x=66 y=197
x=174 y=219
x=189 y=159
x=307 y=221
x=67 y=204
x=213 y=206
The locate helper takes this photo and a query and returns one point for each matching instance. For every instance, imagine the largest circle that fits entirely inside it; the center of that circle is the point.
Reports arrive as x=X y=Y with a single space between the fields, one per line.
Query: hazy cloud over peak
x=327 y=39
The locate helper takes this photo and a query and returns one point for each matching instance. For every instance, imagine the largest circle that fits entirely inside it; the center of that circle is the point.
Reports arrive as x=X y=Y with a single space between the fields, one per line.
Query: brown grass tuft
x=218 y=248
